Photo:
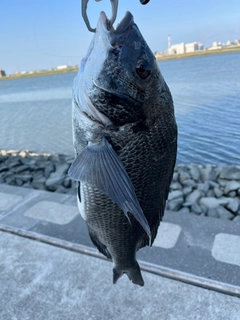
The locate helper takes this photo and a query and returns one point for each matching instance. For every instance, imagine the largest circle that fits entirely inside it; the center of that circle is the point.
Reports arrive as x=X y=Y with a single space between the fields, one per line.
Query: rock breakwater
x=209 y=190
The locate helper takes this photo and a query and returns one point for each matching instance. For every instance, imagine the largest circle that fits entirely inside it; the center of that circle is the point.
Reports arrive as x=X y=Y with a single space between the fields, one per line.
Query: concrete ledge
x=39 y=281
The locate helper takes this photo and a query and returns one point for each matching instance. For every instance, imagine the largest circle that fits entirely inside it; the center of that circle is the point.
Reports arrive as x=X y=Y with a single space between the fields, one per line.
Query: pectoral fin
x=100 y=167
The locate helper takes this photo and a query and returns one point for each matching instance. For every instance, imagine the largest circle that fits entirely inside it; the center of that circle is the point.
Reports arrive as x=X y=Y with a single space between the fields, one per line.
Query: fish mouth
x=126 y=23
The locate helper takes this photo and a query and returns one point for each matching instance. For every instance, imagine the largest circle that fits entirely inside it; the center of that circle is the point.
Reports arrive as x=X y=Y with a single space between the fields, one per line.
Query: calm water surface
x=35 y=113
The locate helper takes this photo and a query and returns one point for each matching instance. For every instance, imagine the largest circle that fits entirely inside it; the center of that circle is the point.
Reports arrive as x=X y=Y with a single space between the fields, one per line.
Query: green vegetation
x=39 y=73
x=199 y=53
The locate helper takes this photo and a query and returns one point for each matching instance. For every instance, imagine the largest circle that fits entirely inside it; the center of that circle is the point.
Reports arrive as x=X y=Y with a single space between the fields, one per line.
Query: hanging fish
x=125 y=139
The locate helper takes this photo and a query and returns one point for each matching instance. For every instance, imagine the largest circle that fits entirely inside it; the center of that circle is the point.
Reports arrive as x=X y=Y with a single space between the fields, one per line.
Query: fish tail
x=134 y=274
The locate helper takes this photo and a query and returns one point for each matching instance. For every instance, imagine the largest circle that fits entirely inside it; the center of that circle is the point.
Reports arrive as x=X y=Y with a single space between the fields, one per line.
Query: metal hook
x=85 y=17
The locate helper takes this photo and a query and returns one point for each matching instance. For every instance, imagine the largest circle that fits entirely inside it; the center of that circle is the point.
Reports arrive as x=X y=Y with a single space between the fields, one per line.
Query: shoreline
x=39 y=74
x=198 y=54
x=163 y=58
x=207 y=190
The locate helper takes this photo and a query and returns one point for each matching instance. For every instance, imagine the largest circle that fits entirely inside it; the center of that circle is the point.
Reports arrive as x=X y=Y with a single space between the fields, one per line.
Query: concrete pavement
x=42 y=281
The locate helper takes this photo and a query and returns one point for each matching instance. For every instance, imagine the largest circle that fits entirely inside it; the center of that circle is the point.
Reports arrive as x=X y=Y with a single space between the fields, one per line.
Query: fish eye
x=143 y=69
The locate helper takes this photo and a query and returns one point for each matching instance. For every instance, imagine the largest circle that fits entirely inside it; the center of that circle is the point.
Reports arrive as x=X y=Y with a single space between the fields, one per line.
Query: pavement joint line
x=145 y=266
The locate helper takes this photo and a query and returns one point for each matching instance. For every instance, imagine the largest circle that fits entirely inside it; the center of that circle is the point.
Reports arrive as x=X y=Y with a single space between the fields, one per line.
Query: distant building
x=191 y=47
x=184 y=48
x=177 y=49
x=62 y=67
x=2 y=73
x=215 y=45
x=229 y=43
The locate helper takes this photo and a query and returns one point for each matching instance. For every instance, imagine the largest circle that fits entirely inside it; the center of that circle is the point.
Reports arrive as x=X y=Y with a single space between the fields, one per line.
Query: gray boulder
x=186 y=204
x=62 y=168
x=231 y=186
x=187 y=190
x=49 y=169
x=39 y=183
x=213 y=213
x=194 y=196
x=213 y=184
x=175 y=204
x=18 y=182
x=213 y=202
x=28 y=185
x=195 y=173
x=222 y=182
x=232 y=194
x=184 y=210
x=175 y=186
x=230 y=173
x=210 y=193
x=218 y=192
x=175 y=194
x=204 y=209
x=215 y=173
x=195 y=208
x=189 y=183
x=4 y=168
x=224 y=213
x=205 y=173
x=183 y=176
x=9 y=178
x=175 y=177
x=237 y=219
x=233 y=205
x=61 y=189
x=21 y=168
x=67 y=183
x=54 y=180
x=203 y=187
x=24 y=177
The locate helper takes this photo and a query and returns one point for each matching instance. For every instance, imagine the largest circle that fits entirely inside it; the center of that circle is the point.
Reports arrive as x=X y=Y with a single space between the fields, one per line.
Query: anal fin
x=97 y=243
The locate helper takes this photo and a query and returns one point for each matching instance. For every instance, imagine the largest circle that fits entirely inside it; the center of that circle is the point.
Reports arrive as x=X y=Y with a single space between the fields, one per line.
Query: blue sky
x=40 y=34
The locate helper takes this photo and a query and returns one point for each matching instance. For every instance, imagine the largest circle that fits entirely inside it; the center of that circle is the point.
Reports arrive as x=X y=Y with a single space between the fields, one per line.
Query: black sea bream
x=125 y=139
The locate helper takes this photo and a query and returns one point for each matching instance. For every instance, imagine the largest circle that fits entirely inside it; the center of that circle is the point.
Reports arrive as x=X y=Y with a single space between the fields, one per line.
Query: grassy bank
x=39 y=73
x=199 y=53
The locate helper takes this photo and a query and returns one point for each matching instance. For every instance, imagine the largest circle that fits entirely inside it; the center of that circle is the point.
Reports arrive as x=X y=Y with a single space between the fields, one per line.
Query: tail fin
x=134 y=274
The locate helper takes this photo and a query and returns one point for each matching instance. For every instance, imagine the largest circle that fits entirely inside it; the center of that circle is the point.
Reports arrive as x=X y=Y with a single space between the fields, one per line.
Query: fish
x=125 y=141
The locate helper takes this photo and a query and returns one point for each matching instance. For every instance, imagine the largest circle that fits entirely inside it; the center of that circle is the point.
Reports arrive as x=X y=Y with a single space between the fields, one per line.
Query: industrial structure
x=180 y=48
x=2 y=73
x=183 y=48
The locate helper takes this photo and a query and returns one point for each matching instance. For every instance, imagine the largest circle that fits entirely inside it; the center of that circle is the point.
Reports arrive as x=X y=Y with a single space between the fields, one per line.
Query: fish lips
x=116 y=36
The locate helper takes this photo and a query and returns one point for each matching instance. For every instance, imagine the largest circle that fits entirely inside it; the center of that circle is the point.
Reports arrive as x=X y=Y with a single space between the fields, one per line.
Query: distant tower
x=169 y=41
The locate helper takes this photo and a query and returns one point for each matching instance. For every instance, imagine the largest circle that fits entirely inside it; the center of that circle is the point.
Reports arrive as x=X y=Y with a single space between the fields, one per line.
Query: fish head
x=119 y=74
